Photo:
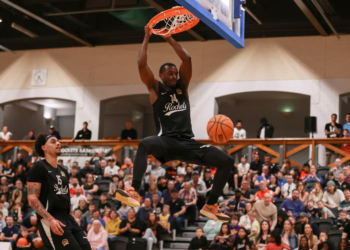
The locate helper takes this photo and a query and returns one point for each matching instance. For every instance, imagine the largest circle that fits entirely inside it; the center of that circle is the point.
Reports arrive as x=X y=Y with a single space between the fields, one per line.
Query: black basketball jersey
x=172 y=112
x=54 y=193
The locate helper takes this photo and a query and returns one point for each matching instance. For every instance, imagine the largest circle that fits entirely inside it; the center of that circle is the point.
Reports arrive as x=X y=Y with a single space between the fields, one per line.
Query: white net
x=173 y=24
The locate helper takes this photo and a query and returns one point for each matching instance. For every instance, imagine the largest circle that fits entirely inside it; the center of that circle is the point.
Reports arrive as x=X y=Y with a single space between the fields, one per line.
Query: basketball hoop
x=173 y=21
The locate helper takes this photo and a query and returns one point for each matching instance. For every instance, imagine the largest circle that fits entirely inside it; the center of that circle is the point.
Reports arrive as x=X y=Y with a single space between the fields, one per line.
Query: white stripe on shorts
x=47 y=229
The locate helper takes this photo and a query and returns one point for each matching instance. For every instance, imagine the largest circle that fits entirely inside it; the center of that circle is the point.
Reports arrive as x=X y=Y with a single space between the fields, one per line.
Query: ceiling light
x=23 y=30
x=0 y=20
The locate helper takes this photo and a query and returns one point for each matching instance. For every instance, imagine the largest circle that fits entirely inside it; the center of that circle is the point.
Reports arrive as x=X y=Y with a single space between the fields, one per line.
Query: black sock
x=212 y=199
x=136 y=184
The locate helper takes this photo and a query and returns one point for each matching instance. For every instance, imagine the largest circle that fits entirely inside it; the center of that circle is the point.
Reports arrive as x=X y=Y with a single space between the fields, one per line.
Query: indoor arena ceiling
x=38 y=24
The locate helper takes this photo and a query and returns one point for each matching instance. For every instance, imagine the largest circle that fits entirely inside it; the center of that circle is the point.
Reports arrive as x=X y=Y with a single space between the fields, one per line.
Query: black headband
x=48 y=137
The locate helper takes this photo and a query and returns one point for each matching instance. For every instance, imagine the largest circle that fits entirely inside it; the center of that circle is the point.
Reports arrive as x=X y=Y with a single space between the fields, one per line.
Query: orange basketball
x=38 y=244
x=220 y=129
x=22 y=241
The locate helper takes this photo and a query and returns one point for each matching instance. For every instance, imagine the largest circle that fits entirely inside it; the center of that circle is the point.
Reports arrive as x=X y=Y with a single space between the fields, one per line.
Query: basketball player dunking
x=48 y=195
x=171 y=108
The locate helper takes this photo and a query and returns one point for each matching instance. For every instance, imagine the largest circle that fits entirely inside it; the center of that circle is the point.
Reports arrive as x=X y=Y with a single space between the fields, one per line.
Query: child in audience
x=342 y=221
x=24 y=234
x=324 y=211
x=241 y=241
x=198 y=242
x=164 y=219
x=311 y=210
x=322 y=240
x=255 y=228
x=280 y=179
x=123 y=211
x=234 y=225
x=276 y=242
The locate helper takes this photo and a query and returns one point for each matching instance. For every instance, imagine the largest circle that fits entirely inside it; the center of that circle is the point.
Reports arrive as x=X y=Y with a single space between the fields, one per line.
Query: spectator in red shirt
x=263 y=190
x=190 y=198
x=305 y=171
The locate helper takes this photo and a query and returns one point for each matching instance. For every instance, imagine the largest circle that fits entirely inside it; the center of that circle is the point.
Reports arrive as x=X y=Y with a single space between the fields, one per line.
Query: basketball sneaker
x=129 y=197
x=214 y=212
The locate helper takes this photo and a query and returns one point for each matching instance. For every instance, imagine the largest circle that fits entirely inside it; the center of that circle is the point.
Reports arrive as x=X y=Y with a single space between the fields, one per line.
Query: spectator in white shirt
x=5 y=135
x=243 y=169
x=158 y=170
x=238 y=133
x=287 y=188
x=75 y=199
x=111 y=169
x=181 y=168
x=333 y=196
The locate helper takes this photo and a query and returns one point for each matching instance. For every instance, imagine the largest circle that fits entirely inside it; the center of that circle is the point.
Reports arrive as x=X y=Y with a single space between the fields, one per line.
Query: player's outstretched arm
x=186 y=65
x=146 y=73
x=33 y=200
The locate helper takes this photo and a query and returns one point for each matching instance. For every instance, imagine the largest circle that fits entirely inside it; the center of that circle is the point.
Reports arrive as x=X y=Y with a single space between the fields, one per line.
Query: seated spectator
x=189 y=170
x=98 y=236
x=208 y=180
x=293 y=206
x=189 y=196
x=171 y=171
x=19 y=175
x=201 y=189
x=100 y=170
x=247 y=193
x=177 y=210
x=337 y=169
x=24 y=234
x=303 y=195
x=281 y=217
x=323 y=238
x=112 y=226
x=161 y=183
x=304 y=219
x=264 y=177
x=10 y=232
x=285 y=166
x=262 y=191
x=153 y=231
x=20 y=161
x=164 y=219
x=128 y=183
x=123 y=211
x=84 y=134
x=151 y=179
x=255 y=166
x=181 y=168
x=96 y=216
x=166 y=194
x=143 y=212
x=16 y=211
x=311 y=179
x=241 y=241
x=73 y=184
x=261 y=239
x=324 y=212
x=3 y=209
x=201 y=171
x=255 y=227
x=111 y=169
x=153 y=190
x=289 y=238
x=288 y=188
x=127 y=166
x=342 y=221
x=265 y=210
x=244 y=220
x=342 y=184
x=343 y=206
x=198 y=242
x=304 y=243
x=86 y=217
x=329 y=177
x=212 y=228
x=105 y=214
x=86 y=170
x=97 y=158
x=131 y=227
x=82 y=205
x=89 y=198
x=296 y=227
x=2 y=221
x=311 y=211
x=29 y=136
x=280 y=179
x=333 y=196
x=74 y=201
x=276 y=243
x=305 y=171
x=234 y=225
x=242 y=171
x=103 y=204
x=113 y=186
x=312 y=239
x=54 y=132
x=156 y=205
x=158 y=171
x=316 y=194
x=89 y=185
x=8 y=170
x=180 y=181
x=274 y=187
x=236 y=206
x=273 y=169
x=220 y=241
x=121 y=185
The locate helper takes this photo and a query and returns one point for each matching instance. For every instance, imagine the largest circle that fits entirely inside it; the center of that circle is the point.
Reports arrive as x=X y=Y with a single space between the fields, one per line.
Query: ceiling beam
x=311 y=17
x=23 y=30
x=31 y=2
x=97 y=10
x=161 y=9
x=51 y=25
x=7 y=50
x=253 y=16
x=319 y=8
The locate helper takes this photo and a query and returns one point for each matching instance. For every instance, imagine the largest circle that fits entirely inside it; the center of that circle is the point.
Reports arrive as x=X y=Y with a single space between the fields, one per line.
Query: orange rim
x=188 y=22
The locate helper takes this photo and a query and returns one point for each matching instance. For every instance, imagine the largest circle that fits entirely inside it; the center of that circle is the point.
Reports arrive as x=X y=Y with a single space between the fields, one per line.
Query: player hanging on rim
x=171 y=108
x=48 y=195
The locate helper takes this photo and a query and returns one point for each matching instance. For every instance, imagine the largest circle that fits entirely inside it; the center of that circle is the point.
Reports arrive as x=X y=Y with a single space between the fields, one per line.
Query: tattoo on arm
x=33 y=195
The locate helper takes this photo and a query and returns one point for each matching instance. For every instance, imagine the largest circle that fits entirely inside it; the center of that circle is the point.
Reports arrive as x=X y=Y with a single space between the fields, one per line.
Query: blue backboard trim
x=206 y=17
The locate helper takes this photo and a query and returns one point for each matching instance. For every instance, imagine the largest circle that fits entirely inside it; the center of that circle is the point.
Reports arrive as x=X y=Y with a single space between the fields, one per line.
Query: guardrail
x=261 y=144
